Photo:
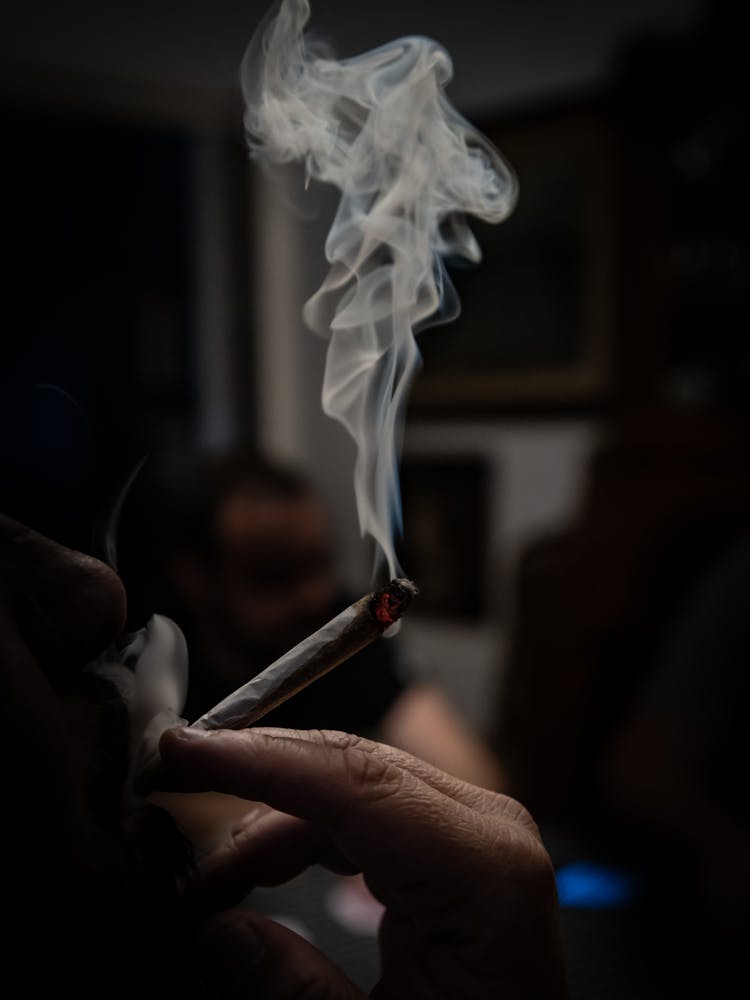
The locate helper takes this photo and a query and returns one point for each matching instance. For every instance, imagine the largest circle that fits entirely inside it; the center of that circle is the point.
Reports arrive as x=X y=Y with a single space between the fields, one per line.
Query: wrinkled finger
x=266 y=848
x=375 y=809
x=481 y=799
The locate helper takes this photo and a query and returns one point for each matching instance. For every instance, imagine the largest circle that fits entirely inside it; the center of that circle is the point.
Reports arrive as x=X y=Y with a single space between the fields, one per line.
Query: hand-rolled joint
x=339 y=639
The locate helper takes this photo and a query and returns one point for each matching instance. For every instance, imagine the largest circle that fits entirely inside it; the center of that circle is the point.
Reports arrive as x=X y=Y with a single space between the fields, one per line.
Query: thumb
x=246 y=956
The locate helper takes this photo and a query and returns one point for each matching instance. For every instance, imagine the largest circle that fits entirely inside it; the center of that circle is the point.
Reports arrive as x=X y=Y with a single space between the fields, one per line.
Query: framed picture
x=446 y=511
x=537 y=319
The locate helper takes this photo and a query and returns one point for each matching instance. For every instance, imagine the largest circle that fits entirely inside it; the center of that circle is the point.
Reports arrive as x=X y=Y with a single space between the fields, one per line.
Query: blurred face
x=273 y=579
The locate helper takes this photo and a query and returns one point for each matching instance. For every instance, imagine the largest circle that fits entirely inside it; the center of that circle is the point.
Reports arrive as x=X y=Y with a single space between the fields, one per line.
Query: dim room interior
x=575 y=473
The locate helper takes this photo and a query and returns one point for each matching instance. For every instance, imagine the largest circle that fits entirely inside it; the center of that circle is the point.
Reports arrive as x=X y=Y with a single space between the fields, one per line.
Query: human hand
x=94 y=908
x=467 y=885
x=58 y=608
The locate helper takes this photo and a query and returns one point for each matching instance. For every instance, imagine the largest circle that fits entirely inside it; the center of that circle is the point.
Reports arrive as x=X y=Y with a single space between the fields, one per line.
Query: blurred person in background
x=249 y=555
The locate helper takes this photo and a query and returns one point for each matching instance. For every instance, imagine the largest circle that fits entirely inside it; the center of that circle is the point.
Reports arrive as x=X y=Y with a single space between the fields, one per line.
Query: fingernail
x=187 y=734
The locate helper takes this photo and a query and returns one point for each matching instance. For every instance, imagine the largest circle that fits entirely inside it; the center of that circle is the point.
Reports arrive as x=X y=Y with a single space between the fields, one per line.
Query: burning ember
x=390 y=603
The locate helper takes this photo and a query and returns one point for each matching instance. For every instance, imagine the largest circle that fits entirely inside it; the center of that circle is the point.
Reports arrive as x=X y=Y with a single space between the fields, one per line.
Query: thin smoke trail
x=409 y=167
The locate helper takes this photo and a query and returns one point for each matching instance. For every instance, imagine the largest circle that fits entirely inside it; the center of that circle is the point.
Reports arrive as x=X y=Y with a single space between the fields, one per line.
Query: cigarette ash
x=389 y=604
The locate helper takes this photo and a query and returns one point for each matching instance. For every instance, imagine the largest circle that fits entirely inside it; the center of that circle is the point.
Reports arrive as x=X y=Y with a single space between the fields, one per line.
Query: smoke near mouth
x=409 y=167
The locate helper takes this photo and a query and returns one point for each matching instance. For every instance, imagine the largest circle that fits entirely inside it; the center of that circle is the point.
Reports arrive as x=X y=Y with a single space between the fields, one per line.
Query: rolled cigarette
x=356 y=627
x=346 y=634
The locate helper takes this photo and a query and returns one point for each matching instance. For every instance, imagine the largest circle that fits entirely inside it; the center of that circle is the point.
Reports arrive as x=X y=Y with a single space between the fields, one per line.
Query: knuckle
x=510 y=810
x=366 y=763
x=238 y=840
x=513 y=844
x=242 y=832
x=522 y=817
x=335 y=740
x=370 y=769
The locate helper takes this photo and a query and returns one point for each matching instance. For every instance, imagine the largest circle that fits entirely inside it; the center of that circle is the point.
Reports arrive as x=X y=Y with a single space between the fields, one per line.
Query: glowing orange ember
x=390 y=603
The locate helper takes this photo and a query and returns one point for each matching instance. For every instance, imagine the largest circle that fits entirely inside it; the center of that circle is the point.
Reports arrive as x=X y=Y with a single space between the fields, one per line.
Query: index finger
x=482 y=800
x=374 y=808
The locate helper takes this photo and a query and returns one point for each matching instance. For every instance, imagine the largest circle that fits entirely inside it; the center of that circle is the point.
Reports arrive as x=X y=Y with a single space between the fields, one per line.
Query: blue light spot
x=596 y=887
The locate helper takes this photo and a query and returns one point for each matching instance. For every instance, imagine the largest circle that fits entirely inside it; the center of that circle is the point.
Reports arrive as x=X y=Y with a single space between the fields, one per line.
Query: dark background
x=150 y=301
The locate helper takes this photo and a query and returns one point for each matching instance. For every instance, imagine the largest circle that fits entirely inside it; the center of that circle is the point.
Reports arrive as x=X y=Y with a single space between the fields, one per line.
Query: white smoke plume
x=408 y=166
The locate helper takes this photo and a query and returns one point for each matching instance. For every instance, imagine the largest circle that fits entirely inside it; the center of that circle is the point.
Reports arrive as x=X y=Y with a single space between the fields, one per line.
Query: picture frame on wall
x=538 y=314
